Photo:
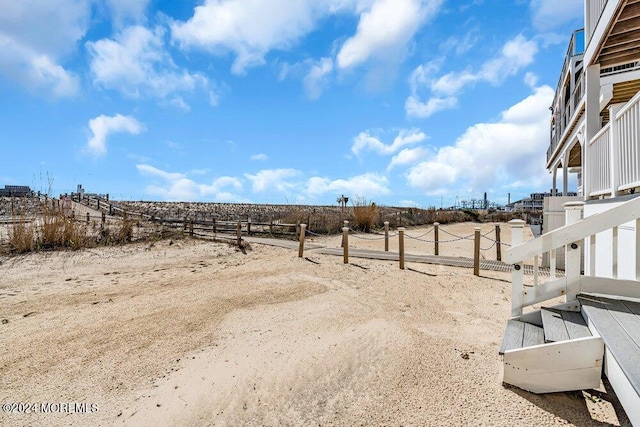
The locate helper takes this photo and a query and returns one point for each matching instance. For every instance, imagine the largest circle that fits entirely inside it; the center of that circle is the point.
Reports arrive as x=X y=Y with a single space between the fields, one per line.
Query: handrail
x=568 y=234
x=628 y=106
x=601 y=132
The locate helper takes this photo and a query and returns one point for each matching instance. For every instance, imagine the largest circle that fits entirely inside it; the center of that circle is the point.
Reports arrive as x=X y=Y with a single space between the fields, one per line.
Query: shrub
x=364 y=214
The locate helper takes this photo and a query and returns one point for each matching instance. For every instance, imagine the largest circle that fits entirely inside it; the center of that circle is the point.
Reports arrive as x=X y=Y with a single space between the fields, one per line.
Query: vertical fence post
x=436 y=248
x=239 y=233
x=573 y=214
x=184 y=224
x=98 y=204
x=517 y=273
x=476 y=251
x=87 y=217
x=249 y=226
x=386 y=236
x=103 y=221
x=215 y=231
x=191 y=228
x=303 y=232
x=401 y=246
x=346 y=225
x=345 y=244
x=498 y=244
x=110 y=209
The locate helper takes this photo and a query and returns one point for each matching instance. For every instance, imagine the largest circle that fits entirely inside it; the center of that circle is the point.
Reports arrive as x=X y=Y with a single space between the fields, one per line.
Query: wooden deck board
x=533 y=335
x=625 y=350
x=554 y=328
x=513 y=336
x=575 y=324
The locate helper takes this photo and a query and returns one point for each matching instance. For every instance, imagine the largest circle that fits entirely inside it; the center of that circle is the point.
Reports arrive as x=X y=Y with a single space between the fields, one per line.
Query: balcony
x=614 y=164
x=594 y=12
x=569 y=93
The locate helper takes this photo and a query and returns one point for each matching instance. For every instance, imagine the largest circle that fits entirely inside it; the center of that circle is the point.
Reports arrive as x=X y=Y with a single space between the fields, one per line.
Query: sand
x=197 y=333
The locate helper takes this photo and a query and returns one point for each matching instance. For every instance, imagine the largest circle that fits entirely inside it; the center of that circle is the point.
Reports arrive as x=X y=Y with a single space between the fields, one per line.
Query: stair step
x=520 y=334
x=562 y=325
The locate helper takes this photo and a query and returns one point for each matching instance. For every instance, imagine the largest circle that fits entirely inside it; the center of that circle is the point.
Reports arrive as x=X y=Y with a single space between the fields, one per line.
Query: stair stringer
x=557 y=366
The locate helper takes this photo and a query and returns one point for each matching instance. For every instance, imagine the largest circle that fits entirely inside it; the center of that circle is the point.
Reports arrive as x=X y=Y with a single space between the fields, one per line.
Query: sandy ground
x=198 y=333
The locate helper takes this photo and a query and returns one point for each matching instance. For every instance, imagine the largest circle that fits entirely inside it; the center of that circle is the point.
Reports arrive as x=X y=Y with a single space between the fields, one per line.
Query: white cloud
x=416 y=108
x=102 y=126
x=136 y=64
x=366 y=142
x=515 y=55
x=250 y=29
x=492 y=156
x=127 y=10
x=317 y=78
x=366 y=185
x=385 y=30
x=259 y=157
x=408 y=156
x=176 y=186
x=550 y=14
x=35 y=36
x=272 y=179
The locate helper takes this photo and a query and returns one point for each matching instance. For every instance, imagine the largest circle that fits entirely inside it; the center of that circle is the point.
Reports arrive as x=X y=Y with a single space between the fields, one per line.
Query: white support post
x=536 y=270
x=517 y=273
x=614 y=252
x=614 y=144
x=638 y=249
x=552 y=264
x=573 y=214
x=592 y=119
x=592 y=255
x=565 y=172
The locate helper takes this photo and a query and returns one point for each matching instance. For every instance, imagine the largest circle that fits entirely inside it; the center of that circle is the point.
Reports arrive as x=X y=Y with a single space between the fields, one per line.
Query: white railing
x=614 y=155
x=596 y=7
x=600 y=162
x=628 y=125
x=572 y=237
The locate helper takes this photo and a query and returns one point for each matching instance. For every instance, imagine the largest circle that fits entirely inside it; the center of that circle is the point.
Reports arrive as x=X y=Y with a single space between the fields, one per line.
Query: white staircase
x=552 y=350
x=597 y=330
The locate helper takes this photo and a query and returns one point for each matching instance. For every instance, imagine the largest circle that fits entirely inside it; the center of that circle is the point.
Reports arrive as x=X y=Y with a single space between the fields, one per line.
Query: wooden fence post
x=239 y=233
x=436 y=248
x=476 y=252
x=498 y=244
x=110 y=209
x=191 y=228
x=87 y=217
x=184 y=224
x=103 y=220
x=303 y=232
x=346 y=225
x=517 y=272
x=98 y=204
x=249 y=226
x=386 y=236
x=401 y=246
x=345 y=244
x=215 y=231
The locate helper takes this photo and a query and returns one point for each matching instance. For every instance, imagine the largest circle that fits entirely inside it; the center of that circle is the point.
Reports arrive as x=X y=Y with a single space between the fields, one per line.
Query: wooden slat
x=553 y=324
x=618 y=342
x=575 y=324
x=513 y=335
x=629 y=321
x=533 y=335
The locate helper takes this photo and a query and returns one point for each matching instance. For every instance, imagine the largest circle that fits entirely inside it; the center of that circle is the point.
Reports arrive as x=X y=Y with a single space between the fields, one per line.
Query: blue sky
x=402 y=102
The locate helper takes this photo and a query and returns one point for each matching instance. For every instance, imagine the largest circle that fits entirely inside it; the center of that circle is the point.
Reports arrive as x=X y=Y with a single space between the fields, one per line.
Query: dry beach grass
x=198 y=333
